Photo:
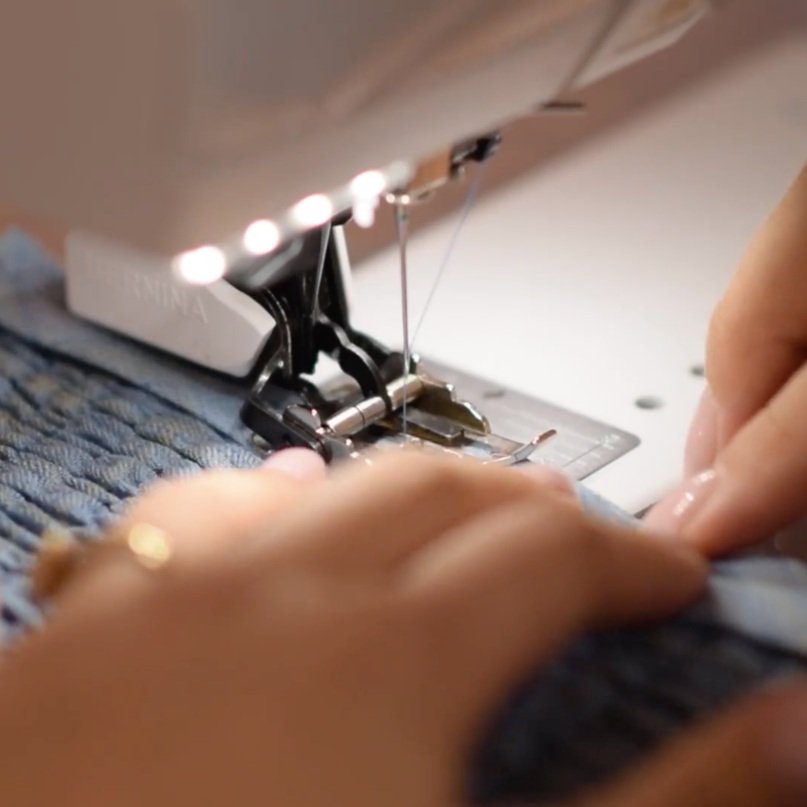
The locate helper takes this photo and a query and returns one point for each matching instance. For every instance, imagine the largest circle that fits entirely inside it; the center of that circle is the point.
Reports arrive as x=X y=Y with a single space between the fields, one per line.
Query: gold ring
x=61 y=555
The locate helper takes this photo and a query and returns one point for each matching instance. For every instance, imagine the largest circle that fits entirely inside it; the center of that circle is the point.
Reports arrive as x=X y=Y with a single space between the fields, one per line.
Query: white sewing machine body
x=168 y=124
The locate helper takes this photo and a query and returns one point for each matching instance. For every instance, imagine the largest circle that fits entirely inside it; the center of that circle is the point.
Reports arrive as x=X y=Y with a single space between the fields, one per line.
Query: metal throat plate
x=582 y=445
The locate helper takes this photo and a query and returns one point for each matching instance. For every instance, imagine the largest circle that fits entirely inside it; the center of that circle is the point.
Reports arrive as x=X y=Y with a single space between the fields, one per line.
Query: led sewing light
x=262 y=237
x=363 y=194
x=366 y=189
x=201 y=266
x=313 y=211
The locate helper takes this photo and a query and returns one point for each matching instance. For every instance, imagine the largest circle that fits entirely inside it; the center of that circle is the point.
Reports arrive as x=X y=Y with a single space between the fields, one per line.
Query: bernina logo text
x=105 y=266
x=151 y=290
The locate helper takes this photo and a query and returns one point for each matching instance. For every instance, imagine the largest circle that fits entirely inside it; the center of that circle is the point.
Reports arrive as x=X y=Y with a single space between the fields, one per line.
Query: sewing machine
x=206 y=157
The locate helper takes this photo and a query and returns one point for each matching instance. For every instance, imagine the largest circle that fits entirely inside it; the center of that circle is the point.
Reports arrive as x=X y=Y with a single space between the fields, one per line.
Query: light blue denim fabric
x=87 y=419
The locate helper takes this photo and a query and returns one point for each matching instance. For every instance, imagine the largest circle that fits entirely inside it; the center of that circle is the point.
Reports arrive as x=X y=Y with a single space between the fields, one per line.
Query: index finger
x=504 y=591
x=219 y=508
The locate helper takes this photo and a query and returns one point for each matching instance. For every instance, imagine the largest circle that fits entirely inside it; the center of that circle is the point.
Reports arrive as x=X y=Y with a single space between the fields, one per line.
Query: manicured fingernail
x=675 y=512
x=298 y=463
x=550 y=478
x=702 y=442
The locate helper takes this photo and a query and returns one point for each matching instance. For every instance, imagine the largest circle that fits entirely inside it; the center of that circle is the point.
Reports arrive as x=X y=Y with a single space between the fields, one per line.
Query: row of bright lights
x=208 y=264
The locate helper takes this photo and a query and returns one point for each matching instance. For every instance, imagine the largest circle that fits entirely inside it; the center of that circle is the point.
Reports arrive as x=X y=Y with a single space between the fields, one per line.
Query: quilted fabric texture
x=87 y=420
x=75 y=444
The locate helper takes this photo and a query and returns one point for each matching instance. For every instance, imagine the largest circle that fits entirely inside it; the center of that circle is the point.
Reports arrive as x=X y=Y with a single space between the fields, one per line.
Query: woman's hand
x=747 y=451
x=344 y=643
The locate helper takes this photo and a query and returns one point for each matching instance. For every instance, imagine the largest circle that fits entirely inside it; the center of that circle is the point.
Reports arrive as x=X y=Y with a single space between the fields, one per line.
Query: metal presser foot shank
x=364 y=409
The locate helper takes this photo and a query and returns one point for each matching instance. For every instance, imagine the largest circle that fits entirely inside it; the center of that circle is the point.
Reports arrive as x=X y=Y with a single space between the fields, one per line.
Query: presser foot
x=341 y=424
x=382 y=399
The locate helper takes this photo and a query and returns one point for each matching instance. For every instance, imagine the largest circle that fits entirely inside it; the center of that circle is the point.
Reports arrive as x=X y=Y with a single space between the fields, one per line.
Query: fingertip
x=297 y=463
x=693 y=565
x=679 y=509
x=689 y=566
x=660 y=520
x=549 y=478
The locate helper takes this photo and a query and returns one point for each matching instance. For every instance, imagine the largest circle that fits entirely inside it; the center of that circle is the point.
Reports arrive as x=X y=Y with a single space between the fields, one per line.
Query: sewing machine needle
x=323 y=257
x=402 y=228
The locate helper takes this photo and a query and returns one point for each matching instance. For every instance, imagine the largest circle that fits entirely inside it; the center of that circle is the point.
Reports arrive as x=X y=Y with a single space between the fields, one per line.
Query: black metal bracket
x=309 y=306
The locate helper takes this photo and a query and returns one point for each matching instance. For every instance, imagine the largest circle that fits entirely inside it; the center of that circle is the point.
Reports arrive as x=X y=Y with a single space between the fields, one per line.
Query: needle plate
x=582 y=445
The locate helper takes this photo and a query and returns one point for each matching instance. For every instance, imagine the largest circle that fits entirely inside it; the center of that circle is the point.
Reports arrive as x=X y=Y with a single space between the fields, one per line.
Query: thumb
x=758 y=484
x=758 y=333
x=747 y=440
x=756 y=756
